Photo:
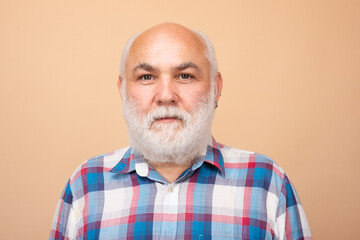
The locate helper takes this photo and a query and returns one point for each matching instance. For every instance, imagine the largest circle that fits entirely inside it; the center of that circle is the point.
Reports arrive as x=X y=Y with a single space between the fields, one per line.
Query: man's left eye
x=185 y=76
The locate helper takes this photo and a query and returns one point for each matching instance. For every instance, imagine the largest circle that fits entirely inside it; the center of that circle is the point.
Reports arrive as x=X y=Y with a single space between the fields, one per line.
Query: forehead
x=167 y=47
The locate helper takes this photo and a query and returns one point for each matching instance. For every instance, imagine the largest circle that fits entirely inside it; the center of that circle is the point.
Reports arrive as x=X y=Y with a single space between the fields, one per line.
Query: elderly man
x=176 y=181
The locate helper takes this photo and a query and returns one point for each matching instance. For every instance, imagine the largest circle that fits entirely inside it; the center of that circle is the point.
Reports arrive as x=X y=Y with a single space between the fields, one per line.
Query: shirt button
x=170 y=189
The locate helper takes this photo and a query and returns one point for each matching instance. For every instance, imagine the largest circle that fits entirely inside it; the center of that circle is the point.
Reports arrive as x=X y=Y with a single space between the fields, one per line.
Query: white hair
x=210 y=53
x=125 y=54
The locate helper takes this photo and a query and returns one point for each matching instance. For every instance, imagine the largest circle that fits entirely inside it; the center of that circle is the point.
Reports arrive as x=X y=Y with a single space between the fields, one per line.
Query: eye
x=185 y=76
x=146 y=77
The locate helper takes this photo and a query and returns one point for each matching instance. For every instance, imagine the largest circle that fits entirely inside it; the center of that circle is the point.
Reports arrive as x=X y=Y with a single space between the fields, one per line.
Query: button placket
x=170 y=210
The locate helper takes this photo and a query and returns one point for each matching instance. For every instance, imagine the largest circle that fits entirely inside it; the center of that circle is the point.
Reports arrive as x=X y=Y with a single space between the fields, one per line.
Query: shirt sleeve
x=291 y=219
x=59 y=228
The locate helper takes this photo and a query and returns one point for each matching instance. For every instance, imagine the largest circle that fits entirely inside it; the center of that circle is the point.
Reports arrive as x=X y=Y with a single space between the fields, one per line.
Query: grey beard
x=180 y=142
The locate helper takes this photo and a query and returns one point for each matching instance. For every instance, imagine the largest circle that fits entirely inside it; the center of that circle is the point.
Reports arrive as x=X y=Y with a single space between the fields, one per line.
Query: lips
x=167 y=119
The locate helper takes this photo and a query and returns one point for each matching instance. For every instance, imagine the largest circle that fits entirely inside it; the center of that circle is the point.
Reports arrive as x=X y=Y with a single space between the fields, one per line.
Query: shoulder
x=235 y=158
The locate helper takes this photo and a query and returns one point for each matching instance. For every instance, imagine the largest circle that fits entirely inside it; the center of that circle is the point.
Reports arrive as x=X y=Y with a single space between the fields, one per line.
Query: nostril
x=164 y=101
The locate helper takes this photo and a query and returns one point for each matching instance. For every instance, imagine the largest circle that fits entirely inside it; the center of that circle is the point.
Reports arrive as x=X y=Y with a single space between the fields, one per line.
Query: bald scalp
x=175 y=31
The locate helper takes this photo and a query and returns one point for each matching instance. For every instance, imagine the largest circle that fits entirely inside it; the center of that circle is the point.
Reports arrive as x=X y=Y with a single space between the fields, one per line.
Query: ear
x=119 y=85
x=218 y=86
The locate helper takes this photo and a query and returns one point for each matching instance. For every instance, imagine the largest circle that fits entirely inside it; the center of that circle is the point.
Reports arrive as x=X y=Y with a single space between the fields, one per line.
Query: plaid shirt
x=227 y=194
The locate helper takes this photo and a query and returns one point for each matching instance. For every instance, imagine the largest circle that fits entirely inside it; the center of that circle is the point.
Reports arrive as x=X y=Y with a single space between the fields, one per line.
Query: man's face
x=168 y=95
x=167 y=69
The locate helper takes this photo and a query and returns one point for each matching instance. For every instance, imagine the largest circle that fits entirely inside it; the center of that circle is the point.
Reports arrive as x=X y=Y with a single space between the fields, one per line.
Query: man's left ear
x=218 y=86
x=119 y=85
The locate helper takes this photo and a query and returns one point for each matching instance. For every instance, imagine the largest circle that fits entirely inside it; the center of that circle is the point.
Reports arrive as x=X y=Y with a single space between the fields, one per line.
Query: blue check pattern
x=227 y=194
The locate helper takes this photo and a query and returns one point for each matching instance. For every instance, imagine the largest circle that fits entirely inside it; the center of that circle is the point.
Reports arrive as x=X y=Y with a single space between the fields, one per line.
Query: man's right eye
x=146 y=77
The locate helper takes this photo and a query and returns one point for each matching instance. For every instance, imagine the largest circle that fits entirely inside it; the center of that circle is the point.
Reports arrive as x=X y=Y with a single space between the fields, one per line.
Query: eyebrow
x=187 y=65
x=144 y=66
x=149 y=68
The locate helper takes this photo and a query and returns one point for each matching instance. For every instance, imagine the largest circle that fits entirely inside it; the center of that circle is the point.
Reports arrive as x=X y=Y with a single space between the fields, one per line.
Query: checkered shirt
x=227 y=194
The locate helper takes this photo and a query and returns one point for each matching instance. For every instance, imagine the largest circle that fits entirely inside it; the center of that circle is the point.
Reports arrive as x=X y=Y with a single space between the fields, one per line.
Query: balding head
x=176 y=32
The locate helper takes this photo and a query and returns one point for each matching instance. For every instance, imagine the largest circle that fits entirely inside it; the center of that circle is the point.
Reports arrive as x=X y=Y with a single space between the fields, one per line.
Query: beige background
x=291 y=74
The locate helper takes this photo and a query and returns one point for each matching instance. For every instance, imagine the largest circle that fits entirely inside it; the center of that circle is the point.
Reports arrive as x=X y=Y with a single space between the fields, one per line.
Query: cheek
x=193 y=95
x=142 y=99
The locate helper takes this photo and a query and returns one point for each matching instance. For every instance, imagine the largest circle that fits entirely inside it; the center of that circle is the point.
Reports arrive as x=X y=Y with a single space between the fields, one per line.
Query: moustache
x=167 y=112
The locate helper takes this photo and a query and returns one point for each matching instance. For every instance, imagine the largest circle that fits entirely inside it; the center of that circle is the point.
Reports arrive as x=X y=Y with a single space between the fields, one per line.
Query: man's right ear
x=119 y=85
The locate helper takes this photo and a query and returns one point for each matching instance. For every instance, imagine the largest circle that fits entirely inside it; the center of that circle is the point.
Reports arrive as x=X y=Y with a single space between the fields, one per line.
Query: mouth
x=167 y=119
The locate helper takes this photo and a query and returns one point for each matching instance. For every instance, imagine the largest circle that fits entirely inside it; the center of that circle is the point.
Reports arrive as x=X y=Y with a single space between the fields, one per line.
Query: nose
x=166 y=93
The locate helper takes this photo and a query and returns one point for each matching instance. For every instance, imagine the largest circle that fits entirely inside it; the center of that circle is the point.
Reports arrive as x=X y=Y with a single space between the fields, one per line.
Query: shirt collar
x=214 y=157
x=132 y=160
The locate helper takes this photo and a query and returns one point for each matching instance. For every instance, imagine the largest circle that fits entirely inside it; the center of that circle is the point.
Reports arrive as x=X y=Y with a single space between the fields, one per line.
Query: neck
x=170 y=171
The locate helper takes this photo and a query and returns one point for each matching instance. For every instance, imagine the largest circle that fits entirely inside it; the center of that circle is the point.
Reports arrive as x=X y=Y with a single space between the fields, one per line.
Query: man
x=176 y=181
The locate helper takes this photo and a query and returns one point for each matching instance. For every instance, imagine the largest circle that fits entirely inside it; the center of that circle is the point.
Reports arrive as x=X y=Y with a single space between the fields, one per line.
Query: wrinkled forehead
x=170 y=42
